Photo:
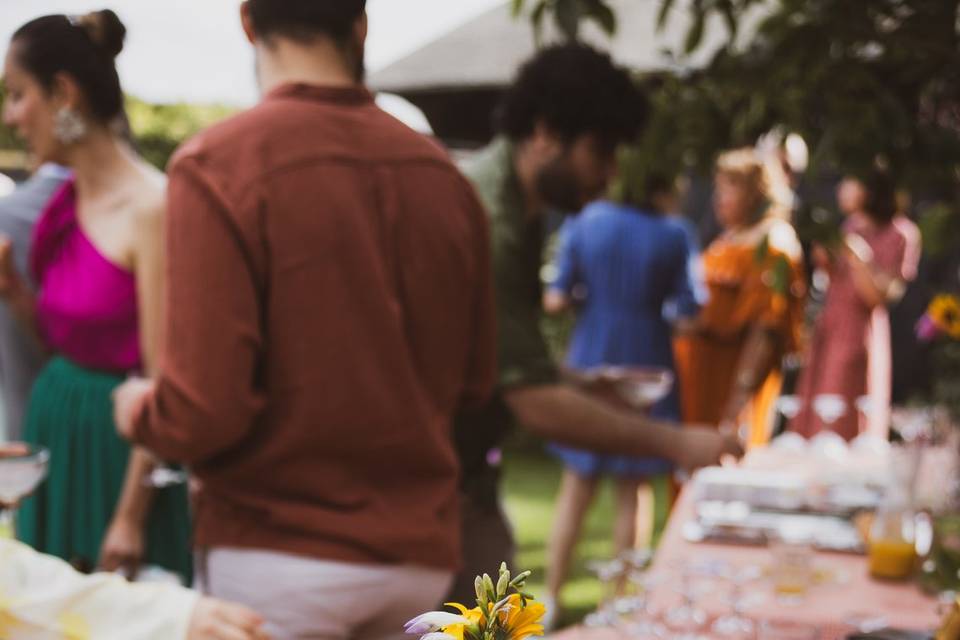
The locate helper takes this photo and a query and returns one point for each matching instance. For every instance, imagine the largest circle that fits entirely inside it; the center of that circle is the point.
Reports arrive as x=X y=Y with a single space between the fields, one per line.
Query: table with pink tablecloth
x=847 y=594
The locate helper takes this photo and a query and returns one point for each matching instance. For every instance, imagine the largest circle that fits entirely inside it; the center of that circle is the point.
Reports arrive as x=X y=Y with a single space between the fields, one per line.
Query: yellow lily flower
x=475 y=616
x=522 y=622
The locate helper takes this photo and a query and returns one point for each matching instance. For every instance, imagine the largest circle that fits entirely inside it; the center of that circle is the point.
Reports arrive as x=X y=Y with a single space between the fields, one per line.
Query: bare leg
x=574 y=498
x=625 y=526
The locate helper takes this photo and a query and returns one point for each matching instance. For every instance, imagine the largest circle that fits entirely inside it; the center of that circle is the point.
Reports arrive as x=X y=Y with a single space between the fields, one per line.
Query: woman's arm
x=874 y=286
x=756 y=362
x=14 y=291
x=123 y=545
x=557 y=297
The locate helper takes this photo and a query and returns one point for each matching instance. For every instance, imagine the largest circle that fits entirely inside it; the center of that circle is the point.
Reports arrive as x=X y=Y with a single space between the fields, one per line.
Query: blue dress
x=621 y=266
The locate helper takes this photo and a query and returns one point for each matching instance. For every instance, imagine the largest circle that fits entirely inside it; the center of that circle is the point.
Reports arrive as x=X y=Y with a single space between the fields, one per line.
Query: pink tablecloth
x=851 y=592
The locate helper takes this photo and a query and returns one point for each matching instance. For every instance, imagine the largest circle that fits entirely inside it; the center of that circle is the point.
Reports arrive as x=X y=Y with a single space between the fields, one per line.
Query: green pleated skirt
x=71 y=414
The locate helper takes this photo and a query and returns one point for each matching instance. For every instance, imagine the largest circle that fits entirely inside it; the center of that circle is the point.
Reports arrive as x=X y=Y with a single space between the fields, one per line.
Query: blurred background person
x=729 y=362
x=560 y=125
x=893 y=339
x=619 y=263
x=866 y=272
x=96 y=259
x=21 y=354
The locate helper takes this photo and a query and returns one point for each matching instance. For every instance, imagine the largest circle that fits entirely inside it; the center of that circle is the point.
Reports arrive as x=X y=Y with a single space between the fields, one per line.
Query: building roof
x=486 y=52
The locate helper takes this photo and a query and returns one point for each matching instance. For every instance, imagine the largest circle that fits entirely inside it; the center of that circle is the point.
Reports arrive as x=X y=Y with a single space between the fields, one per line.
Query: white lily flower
x=433 y=621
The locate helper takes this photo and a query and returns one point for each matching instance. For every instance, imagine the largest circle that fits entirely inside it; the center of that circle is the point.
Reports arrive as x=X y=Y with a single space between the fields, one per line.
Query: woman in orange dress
x=729 y=362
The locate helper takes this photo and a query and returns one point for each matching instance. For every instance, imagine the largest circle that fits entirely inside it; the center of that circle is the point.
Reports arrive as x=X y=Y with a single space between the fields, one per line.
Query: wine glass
x=641 y=387
x=864 y=405
x=609 y=573
x=736 y=625
x=22 y=468
x=688 y=619
x=164 y=476
x=830 y=407
x=644 y=625
x=789 y=406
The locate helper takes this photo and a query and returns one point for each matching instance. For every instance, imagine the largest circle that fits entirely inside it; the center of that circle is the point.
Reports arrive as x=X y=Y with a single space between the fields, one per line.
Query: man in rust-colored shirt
x=329 y=308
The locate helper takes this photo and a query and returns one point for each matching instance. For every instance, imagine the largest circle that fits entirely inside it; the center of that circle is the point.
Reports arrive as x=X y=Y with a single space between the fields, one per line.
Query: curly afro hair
x=574 y=90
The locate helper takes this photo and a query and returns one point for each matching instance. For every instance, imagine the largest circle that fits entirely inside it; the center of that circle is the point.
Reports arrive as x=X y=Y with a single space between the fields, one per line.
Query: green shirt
x=517 y=242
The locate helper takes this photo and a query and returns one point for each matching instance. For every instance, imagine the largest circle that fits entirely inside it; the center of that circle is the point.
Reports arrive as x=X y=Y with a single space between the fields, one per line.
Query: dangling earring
x=68 y=126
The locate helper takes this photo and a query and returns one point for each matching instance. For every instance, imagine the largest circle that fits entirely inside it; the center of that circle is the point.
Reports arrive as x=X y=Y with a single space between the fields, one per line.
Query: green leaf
x=601 y=13
x=536 y=19
x=729 y=16
x=665 y=7
x=763 y=250
x=695 y=34
x=517 y=8
x=781 y=276
x=567 y=16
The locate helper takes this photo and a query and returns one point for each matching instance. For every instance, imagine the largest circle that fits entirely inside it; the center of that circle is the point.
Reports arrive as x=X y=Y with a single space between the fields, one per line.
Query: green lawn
x=531 y=479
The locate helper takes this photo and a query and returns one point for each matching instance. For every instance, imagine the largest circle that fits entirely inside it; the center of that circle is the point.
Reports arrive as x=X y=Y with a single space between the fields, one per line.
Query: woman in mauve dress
x=866 y=272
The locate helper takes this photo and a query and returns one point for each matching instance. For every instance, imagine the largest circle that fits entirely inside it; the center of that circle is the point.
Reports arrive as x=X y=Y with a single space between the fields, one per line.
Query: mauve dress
x=837 y=360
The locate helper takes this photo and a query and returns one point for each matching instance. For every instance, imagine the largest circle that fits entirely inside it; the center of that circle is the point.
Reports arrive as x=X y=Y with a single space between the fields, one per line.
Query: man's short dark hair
x=304 y=20
x=574 y=90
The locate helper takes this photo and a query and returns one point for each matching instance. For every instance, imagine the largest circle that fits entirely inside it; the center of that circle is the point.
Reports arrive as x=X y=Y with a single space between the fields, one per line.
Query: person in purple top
x=96 y=261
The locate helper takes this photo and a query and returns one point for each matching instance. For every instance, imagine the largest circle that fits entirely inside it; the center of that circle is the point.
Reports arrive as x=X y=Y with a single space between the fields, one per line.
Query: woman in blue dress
x=619 y=266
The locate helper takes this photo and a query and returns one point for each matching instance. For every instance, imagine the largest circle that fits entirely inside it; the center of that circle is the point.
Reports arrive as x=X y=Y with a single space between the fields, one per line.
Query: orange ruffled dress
x=740 y=280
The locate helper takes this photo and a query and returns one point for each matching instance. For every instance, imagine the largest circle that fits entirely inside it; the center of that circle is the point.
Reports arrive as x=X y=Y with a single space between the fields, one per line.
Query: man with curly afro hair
x=560 y=126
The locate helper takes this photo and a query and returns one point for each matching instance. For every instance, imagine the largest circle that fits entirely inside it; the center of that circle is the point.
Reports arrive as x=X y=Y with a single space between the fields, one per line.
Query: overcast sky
x=193 y=50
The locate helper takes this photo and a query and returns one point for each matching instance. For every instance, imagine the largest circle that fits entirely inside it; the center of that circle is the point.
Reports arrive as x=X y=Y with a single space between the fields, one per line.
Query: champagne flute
x=22 y=468
x=609 y=573
x=830 y=407
x=736 y=625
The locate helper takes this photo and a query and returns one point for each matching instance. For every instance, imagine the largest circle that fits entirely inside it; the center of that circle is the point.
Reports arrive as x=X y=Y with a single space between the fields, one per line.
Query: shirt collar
x=355 y=95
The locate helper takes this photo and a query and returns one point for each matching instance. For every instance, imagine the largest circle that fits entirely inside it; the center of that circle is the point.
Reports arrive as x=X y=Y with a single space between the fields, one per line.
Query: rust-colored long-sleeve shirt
x=329 y=308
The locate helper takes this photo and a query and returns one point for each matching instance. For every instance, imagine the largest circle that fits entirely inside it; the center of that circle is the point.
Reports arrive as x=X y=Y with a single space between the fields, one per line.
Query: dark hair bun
x=105 y=30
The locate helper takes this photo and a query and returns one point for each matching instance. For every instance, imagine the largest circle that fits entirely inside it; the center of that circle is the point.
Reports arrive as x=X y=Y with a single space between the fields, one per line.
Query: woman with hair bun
x=866 y=273
x=96 y=262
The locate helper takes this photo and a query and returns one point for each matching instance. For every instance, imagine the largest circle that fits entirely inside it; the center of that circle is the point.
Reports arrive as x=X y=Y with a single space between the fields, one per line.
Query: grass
x=531 y=479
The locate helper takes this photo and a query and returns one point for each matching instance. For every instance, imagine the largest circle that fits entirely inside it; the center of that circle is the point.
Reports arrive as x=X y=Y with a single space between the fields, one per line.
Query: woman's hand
x=129 y=402
x=11 y=285
x=123 y=547
x=217 y=620
x=821 y=257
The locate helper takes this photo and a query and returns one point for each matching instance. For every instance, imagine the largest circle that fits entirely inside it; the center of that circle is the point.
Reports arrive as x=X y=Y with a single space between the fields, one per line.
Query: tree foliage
x=158 y=129
x=568 y=15
x=860 y=80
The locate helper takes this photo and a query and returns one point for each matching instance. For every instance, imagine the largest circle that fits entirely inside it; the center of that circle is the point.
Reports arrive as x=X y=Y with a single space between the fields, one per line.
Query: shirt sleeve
x=482 y=372
x=42 y=596
x=522 y=352
x=206 y=399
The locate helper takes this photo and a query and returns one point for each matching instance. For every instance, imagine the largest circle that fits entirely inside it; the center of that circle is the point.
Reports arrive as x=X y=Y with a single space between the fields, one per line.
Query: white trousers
x=306 y=598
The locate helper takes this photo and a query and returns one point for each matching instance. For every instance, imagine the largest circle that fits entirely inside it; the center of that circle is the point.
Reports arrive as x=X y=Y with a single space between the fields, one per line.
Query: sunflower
x=521 y=621
x=945 y=312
